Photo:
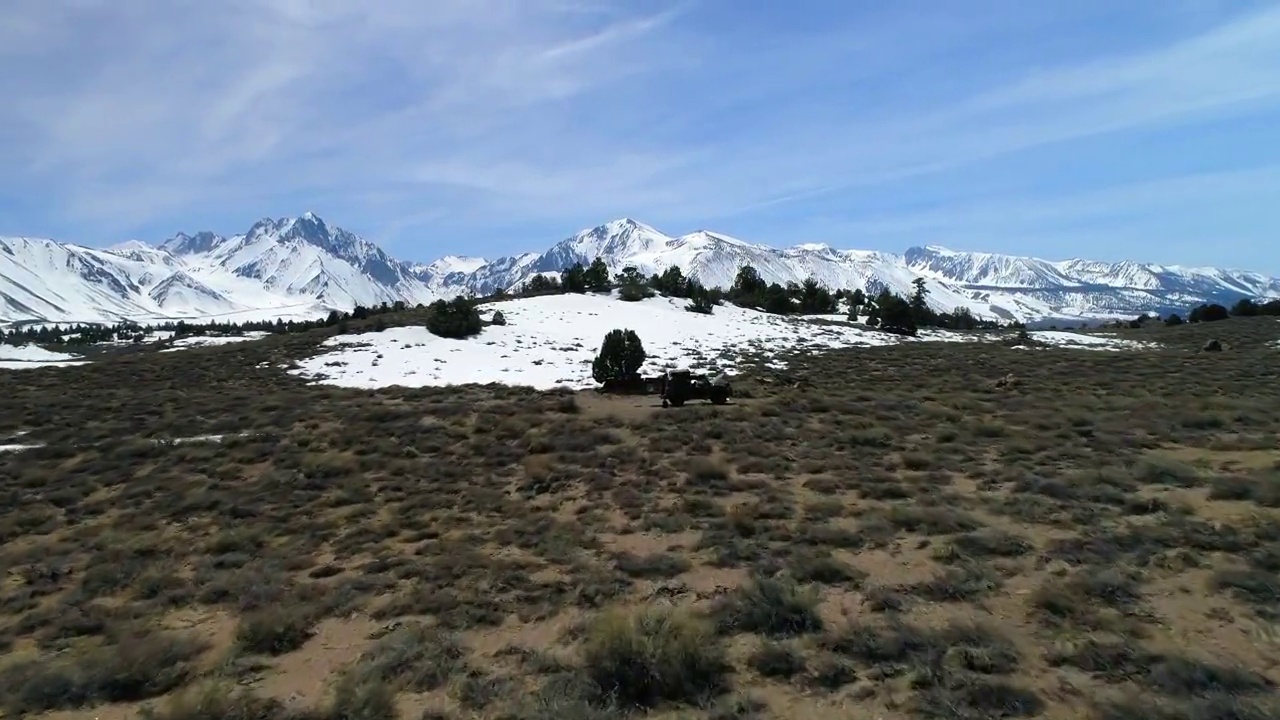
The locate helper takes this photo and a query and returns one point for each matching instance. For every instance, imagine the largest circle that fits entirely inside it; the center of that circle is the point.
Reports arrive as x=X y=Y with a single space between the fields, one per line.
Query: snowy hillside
x=550 y=341
x=303 y=268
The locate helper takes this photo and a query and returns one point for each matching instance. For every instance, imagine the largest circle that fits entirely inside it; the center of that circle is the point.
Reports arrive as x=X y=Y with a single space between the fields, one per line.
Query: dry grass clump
x=652 y=656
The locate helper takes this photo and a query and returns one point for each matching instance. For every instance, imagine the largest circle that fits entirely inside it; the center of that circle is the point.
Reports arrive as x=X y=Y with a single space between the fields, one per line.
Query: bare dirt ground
x=875 y=533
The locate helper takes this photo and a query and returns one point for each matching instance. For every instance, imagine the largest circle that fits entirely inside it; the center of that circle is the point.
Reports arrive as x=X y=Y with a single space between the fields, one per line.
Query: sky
x=1144 y=129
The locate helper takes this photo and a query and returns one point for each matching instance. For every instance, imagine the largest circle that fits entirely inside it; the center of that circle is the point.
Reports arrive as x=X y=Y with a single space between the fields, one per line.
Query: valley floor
x=883 y=532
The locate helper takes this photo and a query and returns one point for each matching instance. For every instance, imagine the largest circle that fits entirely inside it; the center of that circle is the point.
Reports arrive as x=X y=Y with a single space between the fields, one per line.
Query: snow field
x=550 y=342
x=1063 y=339
x=196 y=341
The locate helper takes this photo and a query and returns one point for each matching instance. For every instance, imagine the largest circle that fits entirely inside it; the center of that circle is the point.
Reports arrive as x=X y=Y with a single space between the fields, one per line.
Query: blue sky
x=1143 y=129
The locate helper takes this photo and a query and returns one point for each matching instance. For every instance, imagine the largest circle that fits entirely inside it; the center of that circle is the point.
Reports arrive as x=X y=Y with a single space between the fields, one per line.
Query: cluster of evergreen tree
x=1207 y=312
x=809 y=297
x=1251 y=308
x=631 y=284
x=576 y=278
x=888 y=309
x=1215 y=312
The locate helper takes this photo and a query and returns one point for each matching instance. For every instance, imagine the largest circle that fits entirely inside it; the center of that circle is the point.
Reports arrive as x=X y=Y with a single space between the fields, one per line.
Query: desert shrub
x=275 y=630
x=137 y=668
x=956 y=584
x=775 y=659
x=821 y=567
x=414 y=657
x=655 y=565
x=705 y=468
x=644 y=658
x=1157 y=470
x=357 y=696
x=775 y=607
x=940 y=658
x=621 y=355
x=455 y=318
x=219 y=701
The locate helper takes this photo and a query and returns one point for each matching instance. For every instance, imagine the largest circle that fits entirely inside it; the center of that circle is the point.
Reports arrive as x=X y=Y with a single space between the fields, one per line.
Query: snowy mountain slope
x=42 y=279
x=303 y=267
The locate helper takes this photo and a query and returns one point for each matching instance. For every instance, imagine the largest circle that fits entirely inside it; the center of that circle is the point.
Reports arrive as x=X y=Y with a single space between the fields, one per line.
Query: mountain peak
x=129 y=245
x=198 y=244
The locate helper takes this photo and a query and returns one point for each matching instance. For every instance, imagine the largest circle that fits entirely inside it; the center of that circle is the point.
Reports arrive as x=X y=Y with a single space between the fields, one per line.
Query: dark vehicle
x=677 y=386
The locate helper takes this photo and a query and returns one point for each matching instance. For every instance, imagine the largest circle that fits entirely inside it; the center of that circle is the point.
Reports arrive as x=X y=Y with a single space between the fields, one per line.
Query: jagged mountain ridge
x=303 y=267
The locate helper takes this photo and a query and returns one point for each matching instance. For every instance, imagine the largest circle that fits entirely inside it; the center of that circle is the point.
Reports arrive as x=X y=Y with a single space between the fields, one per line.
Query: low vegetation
x=896 y=532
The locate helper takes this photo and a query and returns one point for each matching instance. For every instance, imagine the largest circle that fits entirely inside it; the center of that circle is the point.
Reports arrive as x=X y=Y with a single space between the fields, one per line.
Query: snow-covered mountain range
x=302 y=268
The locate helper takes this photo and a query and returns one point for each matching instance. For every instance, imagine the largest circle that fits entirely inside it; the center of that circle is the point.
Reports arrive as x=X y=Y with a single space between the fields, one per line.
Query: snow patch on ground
x=196 y=341
x=18 y=357
x=19 y=447
x=201 y=438
x=550 y=341
x=10 y=446
x=151 y=337
x=1062 y=338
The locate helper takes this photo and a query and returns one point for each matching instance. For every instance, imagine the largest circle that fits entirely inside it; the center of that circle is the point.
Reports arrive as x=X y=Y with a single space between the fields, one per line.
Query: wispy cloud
x=462 y=121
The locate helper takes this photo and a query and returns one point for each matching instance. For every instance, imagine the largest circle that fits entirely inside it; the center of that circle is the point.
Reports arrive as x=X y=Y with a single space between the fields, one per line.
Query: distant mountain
x=303 y=267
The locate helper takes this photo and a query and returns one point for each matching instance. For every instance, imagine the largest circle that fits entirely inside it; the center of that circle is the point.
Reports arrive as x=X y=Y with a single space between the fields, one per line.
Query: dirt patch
x=304 y=677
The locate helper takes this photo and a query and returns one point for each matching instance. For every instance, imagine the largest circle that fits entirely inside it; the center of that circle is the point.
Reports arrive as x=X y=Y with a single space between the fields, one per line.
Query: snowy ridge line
x=302 y=268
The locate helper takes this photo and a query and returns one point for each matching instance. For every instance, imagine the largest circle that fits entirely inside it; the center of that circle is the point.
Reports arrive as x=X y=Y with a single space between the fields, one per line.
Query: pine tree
x=748 y=288
x=632 y=285
x=574 y=279
x=671 y=282
x=621 y=355
x=921 y=313
x=857 y=301
x=596 y=277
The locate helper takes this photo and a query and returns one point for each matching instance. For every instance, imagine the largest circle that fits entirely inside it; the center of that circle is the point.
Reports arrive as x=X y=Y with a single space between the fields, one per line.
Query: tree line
x=1208 y=312
x=132 y=332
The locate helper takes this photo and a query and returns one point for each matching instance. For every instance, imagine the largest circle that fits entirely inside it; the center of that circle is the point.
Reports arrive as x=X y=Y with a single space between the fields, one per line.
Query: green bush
x=633 y=293
x=455 y=318
x=621 y=355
